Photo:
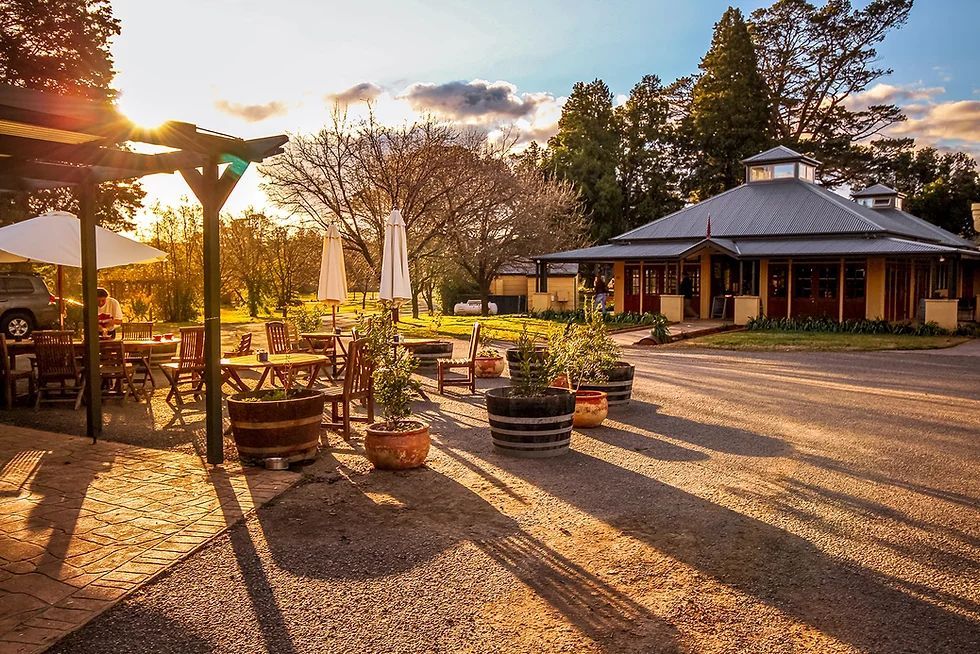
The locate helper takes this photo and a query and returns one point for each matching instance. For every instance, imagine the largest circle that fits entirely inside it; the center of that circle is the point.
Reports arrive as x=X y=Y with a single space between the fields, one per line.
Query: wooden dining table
x=149 y=346
x=282 y=364
x=330 y=345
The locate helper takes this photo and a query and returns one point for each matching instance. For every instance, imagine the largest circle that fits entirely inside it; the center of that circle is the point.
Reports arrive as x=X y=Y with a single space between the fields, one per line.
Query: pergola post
x=90 y=311
x=212 y=191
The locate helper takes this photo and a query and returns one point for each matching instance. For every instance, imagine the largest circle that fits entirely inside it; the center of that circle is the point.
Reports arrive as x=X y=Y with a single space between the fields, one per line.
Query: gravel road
x=751 y=502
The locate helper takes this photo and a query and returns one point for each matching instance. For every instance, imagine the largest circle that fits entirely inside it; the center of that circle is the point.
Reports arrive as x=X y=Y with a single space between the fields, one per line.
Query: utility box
x=747 y=307
x=942 y=312
x=672 y=306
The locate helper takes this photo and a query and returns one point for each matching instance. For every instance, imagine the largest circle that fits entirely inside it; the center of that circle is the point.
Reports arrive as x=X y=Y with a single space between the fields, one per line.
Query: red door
x=631 y=292
x=653 y=287
x=776 y=303
x=898 y=276
x=855 y=290
x=815 y=290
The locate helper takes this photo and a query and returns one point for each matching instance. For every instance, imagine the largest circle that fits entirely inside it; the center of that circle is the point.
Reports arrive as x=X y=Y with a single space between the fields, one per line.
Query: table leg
x=313 y=375
x=262 y=378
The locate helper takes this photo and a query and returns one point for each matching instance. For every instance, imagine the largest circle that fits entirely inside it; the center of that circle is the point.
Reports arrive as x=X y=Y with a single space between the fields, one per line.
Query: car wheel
x=17 y=325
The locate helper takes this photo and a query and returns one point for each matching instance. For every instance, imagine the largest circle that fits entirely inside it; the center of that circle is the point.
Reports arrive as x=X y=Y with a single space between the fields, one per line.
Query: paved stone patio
x=83 y=524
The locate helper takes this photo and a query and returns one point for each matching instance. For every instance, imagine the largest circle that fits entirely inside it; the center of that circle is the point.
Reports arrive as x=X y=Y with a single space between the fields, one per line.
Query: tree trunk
x=485 y=296
x=415 y=304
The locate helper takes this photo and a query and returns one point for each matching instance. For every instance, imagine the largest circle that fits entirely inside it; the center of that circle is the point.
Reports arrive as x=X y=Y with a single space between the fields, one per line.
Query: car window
x=16 y=286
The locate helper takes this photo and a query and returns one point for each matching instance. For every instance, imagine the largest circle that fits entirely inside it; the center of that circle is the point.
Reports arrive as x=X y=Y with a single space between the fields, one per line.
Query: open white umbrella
x=56 y=238
x=396 y=287
x=332 y=289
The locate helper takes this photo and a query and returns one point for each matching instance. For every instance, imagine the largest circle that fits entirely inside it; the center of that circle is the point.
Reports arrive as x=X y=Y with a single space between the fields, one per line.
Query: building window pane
x=760 y=173
x=803 y=281
x=829 y=282
x=854 y=274
x=782 y=171
x=671 y=283
x=777 y=281
x=807 y=172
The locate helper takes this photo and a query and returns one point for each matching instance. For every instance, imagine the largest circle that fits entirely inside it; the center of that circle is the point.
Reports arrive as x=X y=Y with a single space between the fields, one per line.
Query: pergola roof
x=49 y=141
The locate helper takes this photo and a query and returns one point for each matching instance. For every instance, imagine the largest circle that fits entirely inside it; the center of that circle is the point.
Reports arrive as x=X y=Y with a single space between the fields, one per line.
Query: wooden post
x=90 y=311
x=789 y=289
x=840 y=292
x=212 y=192
x=212 y=312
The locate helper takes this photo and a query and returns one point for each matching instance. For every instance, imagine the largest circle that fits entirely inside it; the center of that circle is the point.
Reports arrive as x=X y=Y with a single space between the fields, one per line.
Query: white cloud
x=363 y=92
x=252 y=113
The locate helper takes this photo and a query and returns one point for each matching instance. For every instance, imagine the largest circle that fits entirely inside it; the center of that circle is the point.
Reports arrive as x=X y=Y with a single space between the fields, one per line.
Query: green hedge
x=846 y=327
x=624 y=319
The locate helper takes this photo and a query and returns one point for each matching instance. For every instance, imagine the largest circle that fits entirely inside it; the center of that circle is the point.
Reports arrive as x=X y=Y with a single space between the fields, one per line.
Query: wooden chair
x=244 y=347
x=54 y=356
x=446 y=365
x=11 y=377
x=277 y=333
x=358 y=385
x=116 y=369
x=139 y=331
x=188 y=367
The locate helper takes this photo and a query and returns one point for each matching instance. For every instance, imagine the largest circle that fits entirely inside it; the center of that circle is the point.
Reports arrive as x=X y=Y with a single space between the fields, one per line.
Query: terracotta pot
x=561 y=381
x=591 y=408
x=397 y=450
x=488 y=367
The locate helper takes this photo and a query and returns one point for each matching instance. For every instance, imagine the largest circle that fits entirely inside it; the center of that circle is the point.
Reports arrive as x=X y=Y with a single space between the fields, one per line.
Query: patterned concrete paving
x=82 y=525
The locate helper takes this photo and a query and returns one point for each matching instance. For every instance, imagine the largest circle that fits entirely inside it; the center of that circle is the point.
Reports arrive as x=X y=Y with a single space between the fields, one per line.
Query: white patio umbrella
x=396 y=287
x=56 y=238
x=332 y=289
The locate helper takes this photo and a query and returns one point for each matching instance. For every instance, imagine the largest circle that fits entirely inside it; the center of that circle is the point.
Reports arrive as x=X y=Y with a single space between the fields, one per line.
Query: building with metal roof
x=780 y=244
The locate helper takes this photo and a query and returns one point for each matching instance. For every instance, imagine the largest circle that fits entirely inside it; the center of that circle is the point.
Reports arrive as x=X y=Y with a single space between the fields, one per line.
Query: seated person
x=110 y=314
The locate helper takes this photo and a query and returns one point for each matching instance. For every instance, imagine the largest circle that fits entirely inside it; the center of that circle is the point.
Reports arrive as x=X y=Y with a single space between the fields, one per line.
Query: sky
x=255 y=68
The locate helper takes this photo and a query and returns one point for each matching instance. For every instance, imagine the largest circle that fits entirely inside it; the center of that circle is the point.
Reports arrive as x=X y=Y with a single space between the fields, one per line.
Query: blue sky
x=253 y=67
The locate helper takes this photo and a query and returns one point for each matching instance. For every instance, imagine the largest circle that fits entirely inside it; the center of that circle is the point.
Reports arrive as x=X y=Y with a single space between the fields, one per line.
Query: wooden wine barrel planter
x=619 y=387
x=514 y=362
x=276 y=428
x=530 y=427
x=430 y=353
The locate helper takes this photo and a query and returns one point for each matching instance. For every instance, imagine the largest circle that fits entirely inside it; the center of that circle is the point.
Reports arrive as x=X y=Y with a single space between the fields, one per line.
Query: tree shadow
x=720 y=438
x=855 y=605
x=653 y=448
x=383 y=524
x=136 y=628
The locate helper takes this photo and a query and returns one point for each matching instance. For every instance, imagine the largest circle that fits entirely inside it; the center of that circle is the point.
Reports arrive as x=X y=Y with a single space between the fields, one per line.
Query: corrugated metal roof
x=778 y=153
x=789 y=207
x=798 y=247
x=613 y=251
x=528 y=268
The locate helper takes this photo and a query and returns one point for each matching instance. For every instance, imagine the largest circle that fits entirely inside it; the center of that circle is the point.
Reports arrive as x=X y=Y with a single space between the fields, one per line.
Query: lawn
x=500 y=328
x=819 y=341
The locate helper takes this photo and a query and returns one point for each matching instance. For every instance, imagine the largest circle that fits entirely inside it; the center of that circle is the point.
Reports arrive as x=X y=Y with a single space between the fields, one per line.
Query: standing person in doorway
x=601 y=292
x=686 y=289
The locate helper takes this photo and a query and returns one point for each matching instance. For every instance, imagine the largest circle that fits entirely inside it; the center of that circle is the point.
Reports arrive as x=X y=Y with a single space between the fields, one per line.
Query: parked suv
x=25 y=304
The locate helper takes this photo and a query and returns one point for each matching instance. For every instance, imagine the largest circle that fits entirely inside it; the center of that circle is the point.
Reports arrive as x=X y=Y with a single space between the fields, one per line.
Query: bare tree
x=293 y=261
x=354 y=174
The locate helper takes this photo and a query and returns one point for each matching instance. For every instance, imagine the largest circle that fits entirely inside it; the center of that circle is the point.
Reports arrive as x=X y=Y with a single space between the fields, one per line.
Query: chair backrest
x=275 y=332
x=357 y=375
x=112 y=354
x=54 y=352
x=136 y=331
x=191 y=351
x=244 y=345
x=474 y=341
x=292 y=335
x=4 y=357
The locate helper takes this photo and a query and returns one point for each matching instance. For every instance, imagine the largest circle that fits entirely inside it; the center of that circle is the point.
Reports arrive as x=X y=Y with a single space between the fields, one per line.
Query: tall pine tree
x=585 y=151
x=647 y=174
x=729 y=115
x=62 y=46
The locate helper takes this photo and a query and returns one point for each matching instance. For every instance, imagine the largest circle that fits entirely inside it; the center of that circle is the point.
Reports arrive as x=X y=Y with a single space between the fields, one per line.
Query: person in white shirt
x=110 y=314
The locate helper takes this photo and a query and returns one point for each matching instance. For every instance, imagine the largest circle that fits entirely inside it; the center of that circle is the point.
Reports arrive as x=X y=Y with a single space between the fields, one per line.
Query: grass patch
x=502 y=328
x=781 y=341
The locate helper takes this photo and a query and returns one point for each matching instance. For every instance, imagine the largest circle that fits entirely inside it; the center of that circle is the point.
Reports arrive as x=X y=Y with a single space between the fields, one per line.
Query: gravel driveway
x=771 y=502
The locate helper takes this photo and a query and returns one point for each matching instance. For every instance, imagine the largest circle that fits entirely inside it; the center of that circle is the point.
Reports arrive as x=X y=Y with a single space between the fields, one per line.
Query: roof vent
x=879 y=196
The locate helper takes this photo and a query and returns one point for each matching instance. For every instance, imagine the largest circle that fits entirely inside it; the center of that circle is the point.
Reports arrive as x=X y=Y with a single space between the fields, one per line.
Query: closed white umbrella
x=396 y=287
x=332 y=289
x=56 y=238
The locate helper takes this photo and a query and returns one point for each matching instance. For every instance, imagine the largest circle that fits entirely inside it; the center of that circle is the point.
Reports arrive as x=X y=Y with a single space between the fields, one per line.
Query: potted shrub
x=399 y=441
x=489 y=363
x=276 y=423
x=529 y=418
x=427 y=355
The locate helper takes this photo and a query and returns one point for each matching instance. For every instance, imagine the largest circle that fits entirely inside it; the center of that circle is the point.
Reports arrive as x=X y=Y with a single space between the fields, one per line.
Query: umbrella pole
x=60 y=283
x=333 y=311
